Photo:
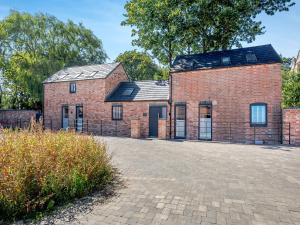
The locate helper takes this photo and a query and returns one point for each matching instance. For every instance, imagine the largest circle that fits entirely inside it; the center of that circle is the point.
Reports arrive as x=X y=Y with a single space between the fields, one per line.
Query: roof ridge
x=99 y=64
x=83 y=72
x=226 y=50
x=265 y=54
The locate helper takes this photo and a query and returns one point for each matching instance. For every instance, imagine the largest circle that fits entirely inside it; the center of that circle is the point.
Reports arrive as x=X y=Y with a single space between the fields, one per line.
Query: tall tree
x=171 y=27
x=33 y=47
x=140 y=66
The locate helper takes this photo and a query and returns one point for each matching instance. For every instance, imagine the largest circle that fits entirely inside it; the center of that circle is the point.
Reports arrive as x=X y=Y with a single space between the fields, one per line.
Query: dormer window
x=251 y=58
x=72 y=87
x=127 y=91
x=226 y=60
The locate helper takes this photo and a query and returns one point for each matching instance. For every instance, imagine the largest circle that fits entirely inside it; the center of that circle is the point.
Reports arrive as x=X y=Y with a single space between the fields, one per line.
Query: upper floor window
x=117 y=112
x=72 y=87
x=258 y=114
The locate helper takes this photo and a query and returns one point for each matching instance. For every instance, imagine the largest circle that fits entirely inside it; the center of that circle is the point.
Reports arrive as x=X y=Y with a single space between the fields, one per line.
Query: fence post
x=229 y=132
x=101 y=127
x=87 y=126
x=289 y=133
x=254 y=135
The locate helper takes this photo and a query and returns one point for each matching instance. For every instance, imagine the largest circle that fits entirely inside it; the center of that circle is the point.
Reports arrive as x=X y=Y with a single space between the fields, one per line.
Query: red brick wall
x=291 y=126
x=114 y=79
x=131 y=111
x=231 y=91
x=14 y=118
x=135 y=128
x=163 y=132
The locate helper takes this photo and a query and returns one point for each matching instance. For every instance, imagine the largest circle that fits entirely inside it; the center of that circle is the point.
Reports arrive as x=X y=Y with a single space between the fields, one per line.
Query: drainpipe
x=170 y=103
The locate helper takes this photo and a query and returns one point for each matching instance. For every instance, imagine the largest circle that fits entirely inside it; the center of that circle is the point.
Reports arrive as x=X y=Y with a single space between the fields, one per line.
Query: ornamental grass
x=39 y=170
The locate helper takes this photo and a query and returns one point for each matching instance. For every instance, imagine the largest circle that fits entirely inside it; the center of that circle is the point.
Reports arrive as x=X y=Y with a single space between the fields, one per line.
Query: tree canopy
x=291 y=88
x=140 y=66
x=33 y=47
x=171 y=27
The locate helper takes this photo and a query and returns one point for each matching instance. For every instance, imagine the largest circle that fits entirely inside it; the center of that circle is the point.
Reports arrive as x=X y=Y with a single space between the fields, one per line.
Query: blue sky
x=103 y=17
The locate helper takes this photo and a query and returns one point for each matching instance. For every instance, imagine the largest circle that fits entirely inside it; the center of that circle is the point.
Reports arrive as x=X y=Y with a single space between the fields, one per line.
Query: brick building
x=224 y=95
x=101 y=100
x=228 y=95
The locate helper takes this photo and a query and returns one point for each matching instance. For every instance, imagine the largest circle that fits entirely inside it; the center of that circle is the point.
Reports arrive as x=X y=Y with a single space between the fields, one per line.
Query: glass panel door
x=180 y=121
x=65 y=117
x=205 y=128
x=79 y=118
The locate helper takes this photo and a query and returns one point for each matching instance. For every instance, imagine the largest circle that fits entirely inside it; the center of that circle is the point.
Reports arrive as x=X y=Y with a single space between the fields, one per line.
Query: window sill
x=258 y=125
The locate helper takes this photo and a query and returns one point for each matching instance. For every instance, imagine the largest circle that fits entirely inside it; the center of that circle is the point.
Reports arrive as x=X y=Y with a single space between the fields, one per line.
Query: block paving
x=187 y=183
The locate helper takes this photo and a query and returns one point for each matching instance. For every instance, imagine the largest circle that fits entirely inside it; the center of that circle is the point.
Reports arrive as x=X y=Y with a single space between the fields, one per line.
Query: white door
x=65 y=117
x=205 y=128
x=205 y=123
x=79 y=118
x=180 y=115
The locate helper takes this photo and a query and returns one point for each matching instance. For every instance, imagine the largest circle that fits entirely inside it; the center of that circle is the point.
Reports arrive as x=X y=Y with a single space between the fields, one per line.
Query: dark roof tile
x=265 y=54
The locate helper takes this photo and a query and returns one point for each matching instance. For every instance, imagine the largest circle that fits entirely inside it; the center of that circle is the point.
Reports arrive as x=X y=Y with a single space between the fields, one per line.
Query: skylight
x=226 y=60
x=127 y=91
x=251 y=57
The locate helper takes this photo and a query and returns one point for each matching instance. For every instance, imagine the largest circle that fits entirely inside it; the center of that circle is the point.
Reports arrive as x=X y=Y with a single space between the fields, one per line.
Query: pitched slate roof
x=82 y=72
x=264 y=54
x=140 y=91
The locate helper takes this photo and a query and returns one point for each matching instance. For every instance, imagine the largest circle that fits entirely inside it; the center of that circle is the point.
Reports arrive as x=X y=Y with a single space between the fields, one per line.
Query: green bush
x=39 y=170
x=291 y=89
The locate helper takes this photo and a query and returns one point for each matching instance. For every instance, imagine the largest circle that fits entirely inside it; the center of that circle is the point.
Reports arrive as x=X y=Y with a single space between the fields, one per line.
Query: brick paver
x=185 y=183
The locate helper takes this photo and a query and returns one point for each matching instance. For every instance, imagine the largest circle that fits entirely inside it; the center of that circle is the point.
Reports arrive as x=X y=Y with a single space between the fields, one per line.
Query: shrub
x=39 y=170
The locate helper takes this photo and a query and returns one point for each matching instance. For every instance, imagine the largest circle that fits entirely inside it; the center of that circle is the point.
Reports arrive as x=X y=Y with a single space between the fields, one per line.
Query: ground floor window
x=117 y=112
x=258 y=114
x=205 y=121
x=180 y=121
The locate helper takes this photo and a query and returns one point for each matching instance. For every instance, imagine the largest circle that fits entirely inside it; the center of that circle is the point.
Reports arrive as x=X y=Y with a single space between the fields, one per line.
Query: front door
x=156 y=112
x=79 y=118
x=180 y=121
x=205 y=128
x=65 y=117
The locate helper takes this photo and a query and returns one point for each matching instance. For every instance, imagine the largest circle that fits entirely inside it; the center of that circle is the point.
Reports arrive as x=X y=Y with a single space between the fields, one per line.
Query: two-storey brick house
x=227 y=95
x=224 y=95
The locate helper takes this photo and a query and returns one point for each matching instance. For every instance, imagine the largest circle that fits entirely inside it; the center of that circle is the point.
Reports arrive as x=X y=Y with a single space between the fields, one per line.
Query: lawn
x=40 y=170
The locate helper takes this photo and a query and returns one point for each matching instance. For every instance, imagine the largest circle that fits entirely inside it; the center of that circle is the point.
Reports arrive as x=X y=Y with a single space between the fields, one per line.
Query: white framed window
x=163 y=114
x=117 y=112
x=73 y=87
x=258 y=114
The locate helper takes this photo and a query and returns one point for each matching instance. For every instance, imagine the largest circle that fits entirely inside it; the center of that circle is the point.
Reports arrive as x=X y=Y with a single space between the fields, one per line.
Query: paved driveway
x=184 y=183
